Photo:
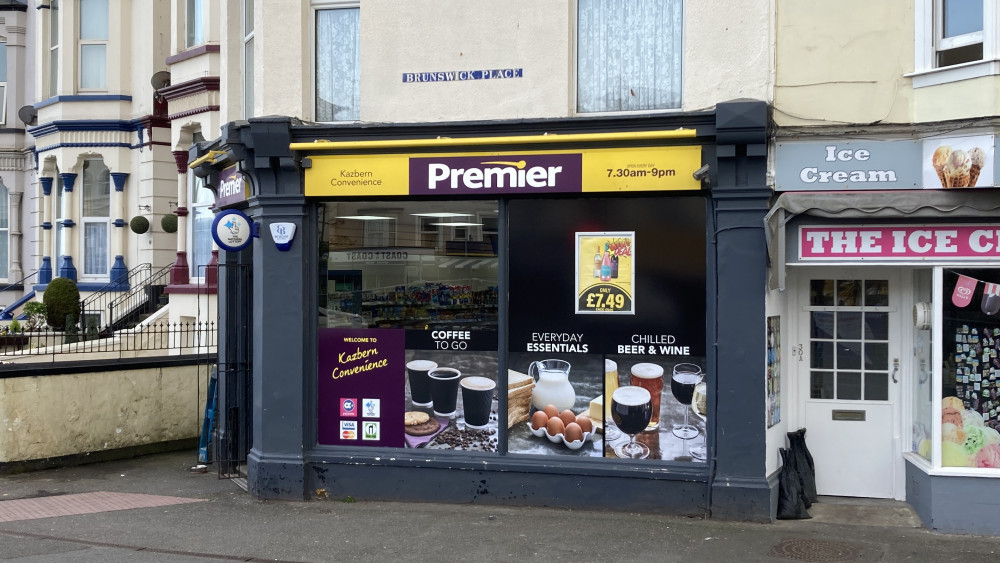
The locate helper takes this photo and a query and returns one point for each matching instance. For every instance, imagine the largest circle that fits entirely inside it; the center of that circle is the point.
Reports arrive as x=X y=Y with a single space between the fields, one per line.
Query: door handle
x=895 y=369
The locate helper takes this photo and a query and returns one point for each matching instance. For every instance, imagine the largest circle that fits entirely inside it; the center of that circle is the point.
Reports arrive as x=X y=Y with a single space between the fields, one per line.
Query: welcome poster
x=361 y=387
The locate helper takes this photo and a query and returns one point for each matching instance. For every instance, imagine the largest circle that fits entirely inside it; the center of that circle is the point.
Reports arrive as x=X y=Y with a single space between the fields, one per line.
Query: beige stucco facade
x=59 y=415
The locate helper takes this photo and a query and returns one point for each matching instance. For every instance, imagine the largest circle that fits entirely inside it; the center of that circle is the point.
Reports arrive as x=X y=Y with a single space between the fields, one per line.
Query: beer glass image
x=444 y=390
x=650 y=377
x=682 y=384
x=631 y=408
x=420 y=385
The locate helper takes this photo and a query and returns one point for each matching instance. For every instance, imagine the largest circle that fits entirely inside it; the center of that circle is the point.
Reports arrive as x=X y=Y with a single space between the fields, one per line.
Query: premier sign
x=232 y=187
x=550 y=173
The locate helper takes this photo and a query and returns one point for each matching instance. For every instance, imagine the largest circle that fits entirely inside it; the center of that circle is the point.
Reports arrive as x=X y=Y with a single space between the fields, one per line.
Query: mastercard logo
x=349 y=435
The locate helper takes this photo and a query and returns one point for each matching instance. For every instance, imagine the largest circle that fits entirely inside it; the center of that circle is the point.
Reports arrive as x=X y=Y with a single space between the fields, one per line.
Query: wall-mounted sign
x=455 y=75
x=232 y=187
x=935 y=163
x=232 y=230
x=605 y=273
x=898 y=242
x=496 y=174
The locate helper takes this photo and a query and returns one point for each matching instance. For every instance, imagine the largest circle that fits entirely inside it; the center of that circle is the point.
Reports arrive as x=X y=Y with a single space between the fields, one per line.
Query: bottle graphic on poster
x=606 y=263
x=614 y=266
x=597 y=262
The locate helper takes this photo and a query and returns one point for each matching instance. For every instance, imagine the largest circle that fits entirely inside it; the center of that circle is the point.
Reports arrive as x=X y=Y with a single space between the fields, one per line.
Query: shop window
x=970 y=374
x=955 y=40
x=629 y=55
x=849 y=340
x=53 y=78
x=195 y=23
x=338 y=64
x=96 y=211
x=93 y=44
x=388 y=295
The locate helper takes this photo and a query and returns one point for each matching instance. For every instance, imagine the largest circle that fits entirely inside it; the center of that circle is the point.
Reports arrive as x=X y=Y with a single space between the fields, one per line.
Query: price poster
x=605 y=273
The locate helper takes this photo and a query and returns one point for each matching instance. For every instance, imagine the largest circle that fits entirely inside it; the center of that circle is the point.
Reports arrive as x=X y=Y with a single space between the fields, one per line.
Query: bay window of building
x=248 y=27
x=93 y=44
x=200 y=226
x=53 y=79
x=338 y=64
x=195 y=23
x=96 y=212
x=629 y=55
x=955 y=40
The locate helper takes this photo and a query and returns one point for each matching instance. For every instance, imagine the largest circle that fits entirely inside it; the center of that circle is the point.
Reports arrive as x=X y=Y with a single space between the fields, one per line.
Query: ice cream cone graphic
x=978 y=158
x=939 y=160
x=958 y=169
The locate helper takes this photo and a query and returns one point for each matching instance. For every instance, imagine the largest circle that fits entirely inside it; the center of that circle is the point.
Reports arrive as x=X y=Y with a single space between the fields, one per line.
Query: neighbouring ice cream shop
x=886 y=283
x=557 y=312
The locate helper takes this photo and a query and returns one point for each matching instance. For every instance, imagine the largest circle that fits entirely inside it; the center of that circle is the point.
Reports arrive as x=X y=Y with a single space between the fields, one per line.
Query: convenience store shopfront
x=443 y=284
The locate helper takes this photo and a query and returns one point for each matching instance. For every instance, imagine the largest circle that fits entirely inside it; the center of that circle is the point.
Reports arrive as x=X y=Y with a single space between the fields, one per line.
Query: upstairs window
x=338 y=65
x=959 y=32
x=3 y=80
x=955 y=40
x=629 y=55
x=93 y=44
x=248 y=58
x=53 y=48
x=195 y=23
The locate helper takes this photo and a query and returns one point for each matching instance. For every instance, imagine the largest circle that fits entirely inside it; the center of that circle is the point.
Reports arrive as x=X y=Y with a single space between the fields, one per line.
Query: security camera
x=701 y=173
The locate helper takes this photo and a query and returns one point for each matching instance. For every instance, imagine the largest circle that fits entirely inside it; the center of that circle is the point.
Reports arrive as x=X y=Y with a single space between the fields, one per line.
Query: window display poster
x=360 y=389
x=605 y=273
x=649 y=363
x=970 y=405
x=773 y=371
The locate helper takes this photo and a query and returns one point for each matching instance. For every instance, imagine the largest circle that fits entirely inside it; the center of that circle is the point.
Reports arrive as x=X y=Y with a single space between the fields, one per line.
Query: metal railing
x=100 y=300
x=7 y=312
x=140 y=299
x=182 y=338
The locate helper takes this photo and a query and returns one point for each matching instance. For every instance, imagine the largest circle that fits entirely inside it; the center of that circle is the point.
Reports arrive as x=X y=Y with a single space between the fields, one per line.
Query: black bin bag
x=804 y=464
x=791 y=503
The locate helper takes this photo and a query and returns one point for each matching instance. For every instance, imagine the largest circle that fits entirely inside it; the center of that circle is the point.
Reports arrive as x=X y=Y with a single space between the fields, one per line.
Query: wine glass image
x=682 y=384
x=611 y=432
x=631 y=408
x=698 y=405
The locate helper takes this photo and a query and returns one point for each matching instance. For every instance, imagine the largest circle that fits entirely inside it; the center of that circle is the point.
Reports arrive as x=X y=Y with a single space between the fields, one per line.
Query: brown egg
x=567 y=416
x=585 y=423
x=539 y=420
x=573 y=432
x=551 y=410
x=555 y=426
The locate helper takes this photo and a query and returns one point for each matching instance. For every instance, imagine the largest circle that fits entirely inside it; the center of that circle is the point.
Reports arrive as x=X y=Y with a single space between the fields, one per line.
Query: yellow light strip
x=478 y=141
x=210 y=156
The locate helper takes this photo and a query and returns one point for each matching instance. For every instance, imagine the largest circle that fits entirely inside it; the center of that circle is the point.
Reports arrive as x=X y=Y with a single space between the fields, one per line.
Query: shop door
x=849 y=377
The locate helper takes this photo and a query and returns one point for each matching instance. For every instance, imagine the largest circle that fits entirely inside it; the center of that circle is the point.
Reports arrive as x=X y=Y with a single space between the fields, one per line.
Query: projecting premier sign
x=232 y=187
x=898 y=242
x=495 y=174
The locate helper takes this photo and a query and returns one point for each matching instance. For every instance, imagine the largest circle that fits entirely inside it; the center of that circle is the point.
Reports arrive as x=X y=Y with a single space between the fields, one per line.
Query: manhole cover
x=815 y=550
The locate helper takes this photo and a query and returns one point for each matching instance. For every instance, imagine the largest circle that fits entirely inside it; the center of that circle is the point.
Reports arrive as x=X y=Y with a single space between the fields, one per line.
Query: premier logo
x=492 y=174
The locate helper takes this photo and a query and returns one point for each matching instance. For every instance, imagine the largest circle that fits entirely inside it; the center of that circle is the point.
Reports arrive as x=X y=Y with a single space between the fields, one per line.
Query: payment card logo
x=348 y=430
x=348 y=407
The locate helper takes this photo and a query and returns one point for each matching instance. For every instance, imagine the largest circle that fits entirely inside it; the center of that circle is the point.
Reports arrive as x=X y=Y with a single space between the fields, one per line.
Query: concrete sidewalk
x=133 y=519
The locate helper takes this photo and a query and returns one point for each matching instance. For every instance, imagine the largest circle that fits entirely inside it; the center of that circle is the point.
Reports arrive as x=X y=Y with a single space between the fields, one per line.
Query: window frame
x=315 y=7
x=194 y=23
x=928 y=27
x=247 y=56
x=94 y=220
x=53 y=74
x=86 y=44
x=575 y=69
x=196 y=274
